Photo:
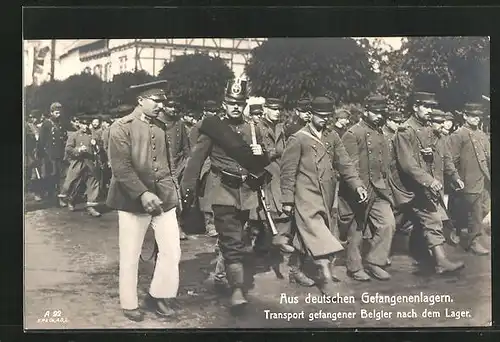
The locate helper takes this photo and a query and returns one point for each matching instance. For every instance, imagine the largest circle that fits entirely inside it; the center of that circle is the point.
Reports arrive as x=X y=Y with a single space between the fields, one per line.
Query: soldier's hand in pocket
x=151 y=203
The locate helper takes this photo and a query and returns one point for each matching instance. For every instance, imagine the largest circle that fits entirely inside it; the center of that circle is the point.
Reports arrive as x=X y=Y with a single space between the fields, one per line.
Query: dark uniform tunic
x=83 y=167
x=31 y=134
x=416 y=176
x=369 y=152
x=231 y=199
x=471 y=154
x=51 y=152
x=308 y=180
x=178 y=141
x=139 y=163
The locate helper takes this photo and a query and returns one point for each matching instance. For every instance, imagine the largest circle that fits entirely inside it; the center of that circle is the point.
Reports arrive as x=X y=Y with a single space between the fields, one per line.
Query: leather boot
x=295 y=275
x=235 y=277
x=325 y=282
x=476 y=248
x=443 y=265
x=331 y=267
x=92 y=212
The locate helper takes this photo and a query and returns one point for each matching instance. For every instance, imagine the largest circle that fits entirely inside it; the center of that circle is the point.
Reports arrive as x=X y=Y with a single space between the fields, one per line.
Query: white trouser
x=132 y=229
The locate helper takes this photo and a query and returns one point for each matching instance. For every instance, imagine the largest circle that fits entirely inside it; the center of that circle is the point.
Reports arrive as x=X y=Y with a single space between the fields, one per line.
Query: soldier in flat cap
x=204 y=190
x=470 y=149
x=273 y=142
x=51 y=152
x=255 y=111
x=308 y=181
x=373 y=220
x=143 y=191
x=342 y=120
x=422 y=164
x=301 y=118
x=234 y=161
x=82 y=153
x=179 y=147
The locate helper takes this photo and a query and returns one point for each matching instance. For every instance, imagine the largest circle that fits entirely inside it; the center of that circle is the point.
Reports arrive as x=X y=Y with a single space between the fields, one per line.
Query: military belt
x=230 y=179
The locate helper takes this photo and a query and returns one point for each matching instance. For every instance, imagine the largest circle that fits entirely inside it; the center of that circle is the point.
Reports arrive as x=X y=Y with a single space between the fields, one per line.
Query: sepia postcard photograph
x=257 y=183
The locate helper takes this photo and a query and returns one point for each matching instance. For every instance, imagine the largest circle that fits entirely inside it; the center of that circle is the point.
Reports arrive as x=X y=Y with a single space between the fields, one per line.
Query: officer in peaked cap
x=342 y=119
x=211 y=107
x=308 y=181
x=393 y=119
x=471 y=149
x=301 y=117
x=229 y=144
x=143 y=192
x=422 y=173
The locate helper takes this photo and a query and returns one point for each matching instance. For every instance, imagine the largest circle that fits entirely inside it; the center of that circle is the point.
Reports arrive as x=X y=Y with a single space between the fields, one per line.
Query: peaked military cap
x=211 y=106
x=475 y=109
x=449 y=116
x=274 y=103
x=236 y=90
x=153 y=90
x=304 y=104
x=255 y=109
x=425 y=98
x=322 y=106
x=437 y=115
x=376 y=103
x=396 y=116
x=55 y=106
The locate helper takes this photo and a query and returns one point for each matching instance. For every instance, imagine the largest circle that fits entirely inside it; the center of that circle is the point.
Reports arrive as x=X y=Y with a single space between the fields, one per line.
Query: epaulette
x=126 y=119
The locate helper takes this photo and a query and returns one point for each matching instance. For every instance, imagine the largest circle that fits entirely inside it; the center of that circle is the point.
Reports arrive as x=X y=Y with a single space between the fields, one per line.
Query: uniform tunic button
x=152 y=137
x=154 y=158
x=156 y=169
x=154 y=147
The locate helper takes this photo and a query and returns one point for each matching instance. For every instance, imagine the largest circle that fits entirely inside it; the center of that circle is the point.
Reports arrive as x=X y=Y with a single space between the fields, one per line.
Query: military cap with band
x=152 y=90
x=255 y=109
x=211 y=106
x=236 y=91
x=474 y=109
x=395 y=116
x=322 y=106
x=427 y=98
x=449 y=116
x=376 y=103
x=437 y=115
x=304 y=104
x=273 y=103
x=55 y=106
x=172 y=101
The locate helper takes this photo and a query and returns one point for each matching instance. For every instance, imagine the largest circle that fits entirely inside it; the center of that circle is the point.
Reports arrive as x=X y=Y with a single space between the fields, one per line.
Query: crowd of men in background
x=334 y=181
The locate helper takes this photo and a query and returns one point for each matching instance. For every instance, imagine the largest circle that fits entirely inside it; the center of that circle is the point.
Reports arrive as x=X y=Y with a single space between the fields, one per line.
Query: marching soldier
x=393 y=120
x=423 y=160
x=51 y=152
x=308 y=181
x=470 y=149
x=143 y=191
x=301 y=118
x=234 y=159
x=373 y=220
x=273 y=142
x=82 y=152
x=177 y=140
x=210 y=109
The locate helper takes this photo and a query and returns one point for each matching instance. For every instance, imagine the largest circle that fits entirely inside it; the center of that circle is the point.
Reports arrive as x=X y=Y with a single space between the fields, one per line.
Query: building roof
x=77 y=44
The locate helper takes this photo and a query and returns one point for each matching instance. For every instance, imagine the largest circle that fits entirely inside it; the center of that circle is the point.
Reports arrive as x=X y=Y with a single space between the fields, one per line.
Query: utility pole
x=136 y=53
x=52 y=58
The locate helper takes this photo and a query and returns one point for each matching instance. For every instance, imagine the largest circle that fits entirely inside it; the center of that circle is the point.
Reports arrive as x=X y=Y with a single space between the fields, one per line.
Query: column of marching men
x=327 y=180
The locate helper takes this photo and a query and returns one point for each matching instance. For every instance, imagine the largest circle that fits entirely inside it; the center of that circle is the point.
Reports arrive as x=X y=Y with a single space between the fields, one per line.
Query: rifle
x=261 y=193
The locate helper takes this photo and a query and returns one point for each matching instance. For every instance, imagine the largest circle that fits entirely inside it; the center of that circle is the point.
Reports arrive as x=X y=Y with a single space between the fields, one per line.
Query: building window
x=123 y=64
x=98 y=71
x=87 y=70
x=108 y=75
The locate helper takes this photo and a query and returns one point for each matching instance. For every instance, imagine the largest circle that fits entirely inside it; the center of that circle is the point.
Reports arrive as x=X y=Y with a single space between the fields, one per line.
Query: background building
x=44 y=59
